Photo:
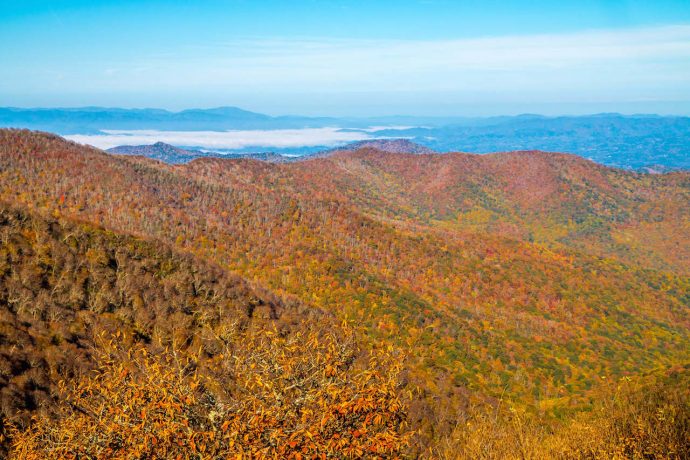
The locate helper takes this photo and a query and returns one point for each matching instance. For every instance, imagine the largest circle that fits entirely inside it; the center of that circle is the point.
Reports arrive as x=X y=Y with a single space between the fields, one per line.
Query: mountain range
x=94 y=119
x=640 y=142
x=509 y=288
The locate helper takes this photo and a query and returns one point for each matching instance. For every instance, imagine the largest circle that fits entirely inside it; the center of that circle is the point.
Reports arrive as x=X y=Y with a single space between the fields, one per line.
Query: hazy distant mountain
x=94 y=119
x=386 y=145
x=632 y=142
x=159 y=151
x=174 y=155
x=83 y=120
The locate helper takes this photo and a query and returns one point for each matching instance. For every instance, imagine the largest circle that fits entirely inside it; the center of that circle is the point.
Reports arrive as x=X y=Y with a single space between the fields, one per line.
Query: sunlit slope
x=559 y=199
x=113 y=346
x=555 y=199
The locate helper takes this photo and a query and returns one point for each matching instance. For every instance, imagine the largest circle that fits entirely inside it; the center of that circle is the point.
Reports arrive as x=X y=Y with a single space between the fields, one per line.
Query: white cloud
x=401 y=65
x=278 y=138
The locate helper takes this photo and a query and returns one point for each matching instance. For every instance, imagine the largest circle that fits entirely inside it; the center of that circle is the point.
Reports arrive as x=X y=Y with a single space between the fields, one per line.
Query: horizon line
x=357 y=117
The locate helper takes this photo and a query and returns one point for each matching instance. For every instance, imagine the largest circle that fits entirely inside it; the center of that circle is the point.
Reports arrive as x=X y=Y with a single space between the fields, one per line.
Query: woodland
x=362 y=304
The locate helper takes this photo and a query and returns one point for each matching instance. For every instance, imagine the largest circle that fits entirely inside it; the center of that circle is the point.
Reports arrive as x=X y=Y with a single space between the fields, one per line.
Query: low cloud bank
x=278 y=138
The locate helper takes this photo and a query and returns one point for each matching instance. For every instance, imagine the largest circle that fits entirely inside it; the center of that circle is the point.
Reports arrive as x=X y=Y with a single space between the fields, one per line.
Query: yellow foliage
x=632 y=419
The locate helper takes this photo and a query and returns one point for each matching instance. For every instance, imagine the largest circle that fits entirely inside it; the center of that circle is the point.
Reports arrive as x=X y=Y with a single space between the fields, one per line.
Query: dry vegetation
x=281 y=397
x=644 y=417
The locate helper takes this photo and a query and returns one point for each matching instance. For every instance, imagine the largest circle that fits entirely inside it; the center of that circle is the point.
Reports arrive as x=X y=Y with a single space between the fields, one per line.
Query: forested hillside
x=519 y=280
x=63 y=284
x=77 y=299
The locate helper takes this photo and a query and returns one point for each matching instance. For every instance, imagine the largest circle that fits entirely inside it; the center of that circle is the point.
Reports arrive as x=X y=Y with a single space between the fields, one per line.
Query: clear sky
x=338 y=57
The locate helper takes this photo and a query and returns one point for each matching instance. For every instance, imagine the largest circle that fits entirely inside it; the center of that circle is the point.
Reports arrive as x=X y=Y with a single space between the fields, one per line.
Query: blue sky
x=425 y=57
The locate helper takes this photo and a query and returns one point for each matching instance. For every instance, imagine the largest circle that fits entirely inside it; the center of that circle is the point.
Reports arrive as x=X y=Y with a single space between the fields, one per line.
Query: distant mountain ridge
x=95 y=119
x=625 y=141
x=175 y=155
x=386 y=145
x=159 y=151
x=630 y=142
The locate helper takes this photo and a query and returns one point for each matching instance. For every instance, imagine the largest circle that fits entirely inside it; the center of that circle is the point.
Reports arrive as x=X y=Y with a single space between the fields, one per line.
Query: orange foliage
x=297 y=397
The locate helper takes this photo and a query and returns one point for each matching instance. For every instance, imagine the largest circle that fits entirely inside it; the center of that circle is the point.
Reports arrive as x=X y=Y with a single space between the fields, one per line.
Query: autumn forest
x=361 y=304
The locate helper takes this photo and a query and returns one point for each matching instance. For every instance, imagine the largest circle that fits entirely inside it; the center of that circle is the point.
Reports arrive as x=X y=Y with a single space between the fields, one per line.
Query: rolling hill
x=174 y=155
x=159 y=151
x=383 y=145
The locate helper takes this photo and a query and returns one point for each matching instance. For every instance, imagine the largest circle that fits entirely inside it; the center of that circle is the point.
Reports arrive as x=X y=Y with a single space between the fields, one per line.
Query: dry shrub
x=300 y=396
x=641 y=418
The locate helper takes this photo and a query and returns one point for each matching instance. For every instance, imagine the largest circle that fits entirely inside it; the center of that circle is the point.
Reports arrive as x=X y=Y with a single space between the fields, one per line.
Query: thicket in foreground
x=644 y=417
x=289 y=397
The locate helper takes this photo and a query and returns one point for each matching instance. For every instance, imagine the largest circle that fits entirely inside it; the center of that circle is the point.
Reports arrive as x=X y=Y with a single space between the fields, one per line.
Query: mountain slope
x=114 y=345
x=486 y=312
x=62 y=284
x=555 y=199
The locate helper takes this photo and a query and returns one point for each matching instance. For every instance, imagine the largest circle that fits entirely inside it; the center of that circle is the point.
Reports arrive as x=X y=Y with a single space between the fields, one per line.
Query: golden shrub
x=299 y=396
